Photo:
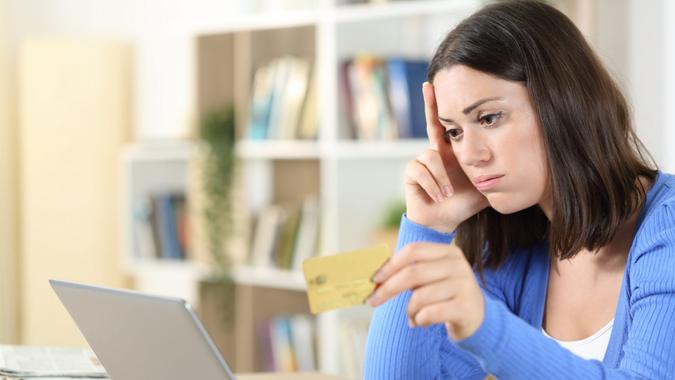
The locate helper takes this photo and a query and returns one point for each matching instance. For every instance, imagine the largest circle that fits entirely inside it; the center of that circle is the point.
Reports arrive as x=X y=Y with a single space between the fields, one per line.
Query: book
x=282 y=71
x=261 y=102
x=181 y=217
x=308 y=128
x=347 y=97
x=367 y=88
x=168 y=228
x=168 y=218
x=280 y=100
x=282 y=349
x=264 y=237
x=364 y=104
x=293 y=98
x=382 y=98
x=304 y=346
x=405 y=94
x=145 y=244
x=288 y=237
x=65 y=362
x=264 y=332
x=353 y=333
x=386 y=128
x=288 y=343
x=308 y=233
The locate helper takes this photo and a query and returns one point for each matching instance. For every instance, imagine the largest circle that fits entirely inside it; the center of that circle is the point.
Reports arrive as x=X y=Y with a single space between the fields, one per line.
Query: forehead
x=458 y=86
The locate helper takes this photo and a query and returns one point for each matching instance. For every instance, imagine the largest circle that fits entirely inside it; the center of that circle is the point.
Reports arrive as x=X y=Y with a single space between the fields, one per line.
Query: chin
x=504 y=204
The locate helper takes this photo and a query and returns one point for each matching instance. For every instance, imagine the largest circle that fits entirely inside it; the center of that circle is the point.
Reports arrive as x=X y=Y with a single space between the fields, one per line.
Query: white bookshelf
x=355 y=180
x=279 y=150
x=303 y=150
x=157 y=275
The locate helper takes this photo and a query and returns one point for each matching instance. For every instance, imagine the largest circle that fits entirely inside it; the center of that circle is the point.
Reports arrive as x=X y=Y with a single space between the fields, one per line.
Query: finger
x=439 y=312
x=418 y=175
x=412 y=276
x=434 y=128
x=433 y=162
x=443 y=290
x=414 y=252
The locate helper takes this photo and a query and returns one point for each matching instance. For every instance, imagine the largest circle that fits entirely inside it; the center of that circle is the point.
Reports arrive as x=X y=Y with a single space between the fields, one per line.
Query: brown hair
x=594 y=157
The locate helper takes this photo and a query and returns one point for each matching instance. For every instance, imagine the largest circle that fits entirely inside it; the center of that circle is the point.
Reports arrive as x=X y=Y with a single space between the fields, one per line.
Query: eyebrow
x=471 y=108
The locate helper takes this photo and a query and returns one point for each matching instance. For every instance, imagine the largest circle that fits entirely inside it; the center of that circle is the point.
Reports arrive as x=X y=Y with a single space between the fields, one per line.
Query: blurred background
x=203 y=149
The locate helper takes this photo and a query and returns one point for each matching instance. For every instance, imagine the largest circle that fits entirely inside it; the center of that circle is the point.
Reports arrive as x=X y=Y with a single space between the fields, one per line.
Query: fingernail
x=372 y=300
x=447 y=191
x=377 y=277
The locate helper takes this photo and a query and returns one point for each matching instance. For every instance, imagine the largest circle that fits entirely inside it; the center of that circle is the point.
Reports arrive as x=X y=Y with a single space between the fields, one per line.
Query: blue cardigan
x=509 y=343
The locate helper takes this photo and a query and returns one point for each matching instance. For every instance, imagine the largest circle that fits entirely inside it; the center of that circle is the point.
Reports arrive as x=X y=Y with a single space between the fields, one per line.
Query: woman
x=538 y=243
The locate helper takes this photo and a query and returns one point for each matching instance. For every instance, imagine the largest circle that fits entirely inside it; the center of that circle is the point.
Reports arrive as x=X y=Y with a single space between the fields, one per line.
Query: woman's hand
x=444 y=289
x=437 y=192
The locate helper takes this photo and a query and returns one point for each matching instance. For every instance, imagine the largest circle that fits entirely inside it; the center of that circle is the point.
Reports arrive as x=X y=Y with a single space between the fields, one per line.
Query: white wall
x=646 y=72
x=8 y=193
x=162 y=33
x=636 y=40
x=74 y=117
x=668 y=121
x=610 y=35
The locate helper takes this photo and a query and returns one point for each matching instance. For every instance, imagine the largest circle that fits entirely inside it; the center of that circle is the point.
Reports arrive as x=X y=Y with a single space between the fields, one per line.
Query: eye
x=490 y=119
x=452 y=134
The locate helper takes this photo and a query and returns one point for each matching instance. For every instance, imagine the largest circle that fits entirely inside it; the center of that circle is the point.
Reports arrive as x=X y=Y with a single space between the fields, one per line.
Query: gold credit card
x=344 y=279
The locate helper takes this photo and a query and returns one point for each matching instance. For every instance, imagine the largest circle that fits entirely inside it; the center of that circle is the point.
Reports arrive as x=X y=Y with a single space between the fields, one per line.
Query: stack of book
x=285 y=236
x=282 y=105
x=28 y=362
x=382 y=98
x=160 y=226
x=289 y=343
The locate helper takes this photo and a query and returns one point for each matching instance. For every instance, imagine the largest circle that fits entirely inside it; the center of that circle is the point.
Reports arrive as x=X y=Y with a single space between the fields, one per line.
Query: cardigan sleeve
x=396 y=351
x=511 y=349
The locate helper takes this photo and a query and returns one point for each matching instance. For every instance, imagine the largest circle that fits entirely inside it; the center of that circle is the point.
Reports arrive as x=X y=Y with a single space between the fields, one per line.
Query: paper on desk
x=49 y=378
x=29 y=362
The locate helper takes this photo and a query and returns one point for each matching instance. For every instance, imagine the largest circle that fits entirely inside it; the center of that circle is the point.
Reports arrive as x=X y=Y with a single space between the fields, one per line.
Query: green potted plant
x=215 y=177
x=217 y=140
x=387 y=232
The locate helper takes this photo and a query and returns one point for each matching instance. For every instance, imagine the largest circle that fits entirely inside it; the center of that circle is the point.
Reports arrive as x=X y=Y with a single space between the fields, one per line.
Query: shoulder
x=652 y=256
x=658 y=216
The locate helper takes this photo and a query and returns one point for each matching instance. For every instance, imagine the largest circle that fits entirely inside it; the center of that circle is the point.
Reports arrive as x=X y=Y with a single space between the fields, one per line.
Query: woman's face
x=494 y=131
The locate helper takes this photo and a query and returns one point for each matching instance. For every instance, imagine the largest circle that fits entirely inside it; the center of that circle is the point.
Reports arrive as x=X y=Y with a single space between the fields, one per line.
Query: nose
x=473 y=151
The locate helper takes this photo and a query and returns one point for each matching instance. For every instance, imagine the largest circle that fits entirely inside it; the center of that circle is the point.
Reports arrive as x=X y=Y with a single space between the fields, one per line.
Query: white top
x=593 y=347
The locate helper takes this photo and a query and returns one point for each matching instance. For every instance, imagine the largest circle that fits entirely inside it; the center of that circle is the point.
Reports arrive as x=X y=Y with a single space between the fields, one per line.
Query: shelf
x=143 y=267
x=269 y=277
x=159 y=151
x=279 y=149
x=264 y=21
x=242 y=274
x=340 y=14
x=403 y=149
x=369 y=12
x=300 y=150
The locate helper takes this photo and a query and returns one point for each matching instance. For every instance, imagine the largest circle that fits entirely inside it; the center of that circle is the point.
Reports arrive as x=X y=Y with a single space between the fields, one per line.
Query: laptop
x=141 y=336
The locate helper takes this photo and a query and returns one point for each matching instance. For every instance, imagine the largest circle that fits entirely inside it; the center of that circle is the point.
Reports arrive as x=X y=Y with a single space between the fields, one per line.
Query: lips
x=485 y=178
x=486 y=182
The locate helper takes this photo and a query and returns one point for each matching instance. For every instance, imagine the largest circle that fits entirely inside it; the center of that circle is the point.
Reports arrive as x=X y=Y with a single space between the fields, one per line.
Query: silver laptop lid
x=141 y=336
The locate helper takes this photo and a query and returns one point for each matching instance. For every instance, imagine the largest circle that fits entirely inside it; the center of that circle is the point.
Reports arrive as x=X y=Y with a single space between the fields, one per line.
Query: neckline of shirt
x=589 y=339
